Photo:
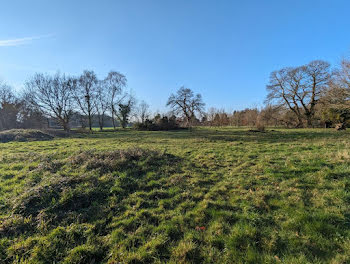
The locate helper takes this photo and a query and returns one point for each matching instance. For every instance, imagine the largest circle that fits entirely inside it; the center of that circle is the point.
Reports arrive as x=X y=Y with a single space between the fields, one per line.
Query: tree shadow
x=272 y=136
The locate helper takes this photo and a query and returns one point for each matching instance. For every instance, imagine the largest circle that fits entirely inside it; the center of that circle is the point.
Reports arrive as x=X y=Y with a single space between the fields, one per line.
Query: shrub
x=159 y=123
x=260 y=127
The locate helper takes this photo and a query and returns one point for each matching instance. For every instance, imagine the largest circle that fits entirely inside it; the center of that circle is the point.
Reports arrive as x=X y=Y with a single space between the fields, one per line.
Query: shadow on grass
x=224 y=134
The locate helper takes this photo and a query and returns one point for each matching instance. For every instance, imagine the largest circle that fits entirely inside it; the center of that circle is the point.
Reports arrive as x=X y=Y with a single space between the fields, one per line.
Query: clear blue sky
x=223 y=49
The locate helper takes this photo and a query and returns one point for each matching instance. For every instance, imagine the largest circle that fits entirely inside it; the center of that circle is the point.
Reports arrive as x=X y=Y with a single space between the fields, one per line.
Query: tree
x=115 y=82
x=6 y=93
x=211 y=115
x=30 y=116
x=53 y=95
x=220 y=117
x=124 y=111
x=237 y=118
x=250 y=117
x=143 y=111
x=101 y=103
x=299 y=88
x=336 y=100
x=187 y=104
x=85 y=94
x=317 y=81
x=270 y=115
x=9 y=108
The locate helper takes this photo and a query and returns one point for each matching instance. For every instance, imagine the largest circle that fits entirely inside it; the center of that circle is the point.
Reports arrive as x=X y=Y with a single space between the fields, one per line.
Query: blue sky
x=223 y=49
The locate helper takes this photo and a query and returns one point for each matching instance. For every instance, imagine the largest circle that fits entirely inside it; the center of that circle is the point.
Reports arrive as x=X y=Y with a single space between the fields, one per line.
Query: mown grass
x=208 y=196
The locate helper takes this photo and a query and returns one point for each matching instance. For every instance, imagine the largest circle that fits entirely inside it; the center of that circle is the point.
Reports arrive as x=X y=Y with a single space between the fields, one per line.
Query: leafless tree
x=218 y=117
x=53 y=95
x=335 y=103
x=101 y=103
x=9 y=107
x=299 y=88
x=187 y=104
x=317 y=74
x=342 y=75
x=283 y=88
x=115 y=83
x=85 y=94
x=211 y=115
x=29 y=115
x=143 y=111
x=270 y=115
x=237 y=118
x=250 y=117
x=6 y=93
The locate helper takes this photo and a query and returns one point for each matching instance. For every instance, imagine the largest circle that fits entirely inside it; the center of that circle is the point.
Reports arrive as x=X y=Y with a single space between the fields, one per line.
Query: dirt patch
x=256 y=131
x=23 y=135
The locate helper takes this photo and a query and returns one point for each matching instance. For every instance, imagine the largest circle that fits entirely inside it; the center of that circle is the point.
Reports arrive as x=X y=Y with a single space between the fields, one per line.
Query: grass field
x=208 y=196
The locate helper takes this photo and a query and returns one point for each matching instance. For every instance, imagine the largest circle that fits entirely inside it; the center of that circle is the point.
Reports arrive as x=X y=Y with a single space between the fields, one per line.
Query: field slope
x=208 y=196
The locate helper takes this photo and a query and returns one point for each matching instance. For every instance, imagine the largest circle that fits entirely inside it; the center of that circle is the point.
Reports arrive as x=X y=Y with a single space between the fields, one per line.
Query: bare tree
x=143 y=111
x=237 y=118
x=218 y=117
x=335 y=103
x=53 y=95
x=29 y=115
x=270 y=115
x=9 y=107
x=6 y=93
x=251 y=116
x=342 y=75
x=187 y=104
x=101 y=103
x=85 y=94
x=115 y=82
x=317 y=75
x=283 y=88
x=211 y=115
x=299 y=88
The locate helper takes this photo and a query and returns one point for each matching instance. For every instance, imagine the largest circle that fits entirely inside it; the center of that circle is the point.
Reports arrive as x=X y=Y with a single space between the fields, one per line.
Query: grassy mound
x=23 y=135
x=69 y=209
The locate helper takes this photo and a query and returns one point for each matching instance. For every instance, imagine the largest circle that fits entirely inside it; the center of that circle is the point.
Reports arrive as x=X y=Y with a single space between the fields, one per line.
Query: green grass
x=208 y=196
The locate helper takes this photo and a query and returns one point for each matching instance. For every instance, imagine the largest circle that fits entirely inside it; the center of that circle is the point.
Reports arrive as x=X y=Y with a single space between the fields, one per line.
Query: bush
x=260 y=127
x=158 y=123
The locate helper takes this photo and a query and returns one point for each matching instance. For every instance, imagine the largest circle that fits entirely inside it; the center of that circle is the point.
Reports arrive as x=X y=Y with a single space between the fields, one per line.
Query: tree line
x=61 y=97
x=310 y=95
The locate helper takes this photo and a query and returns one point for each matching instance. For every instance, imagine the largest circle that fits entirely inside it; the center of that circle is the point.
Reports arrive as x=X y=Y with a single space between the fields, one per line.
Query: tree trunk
x=300 y=123
x=65 y=126
x=113 y=119
x=309 y=118
x=101 y=121
x=64 y=123
x=90 y=122
x=309 y=121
